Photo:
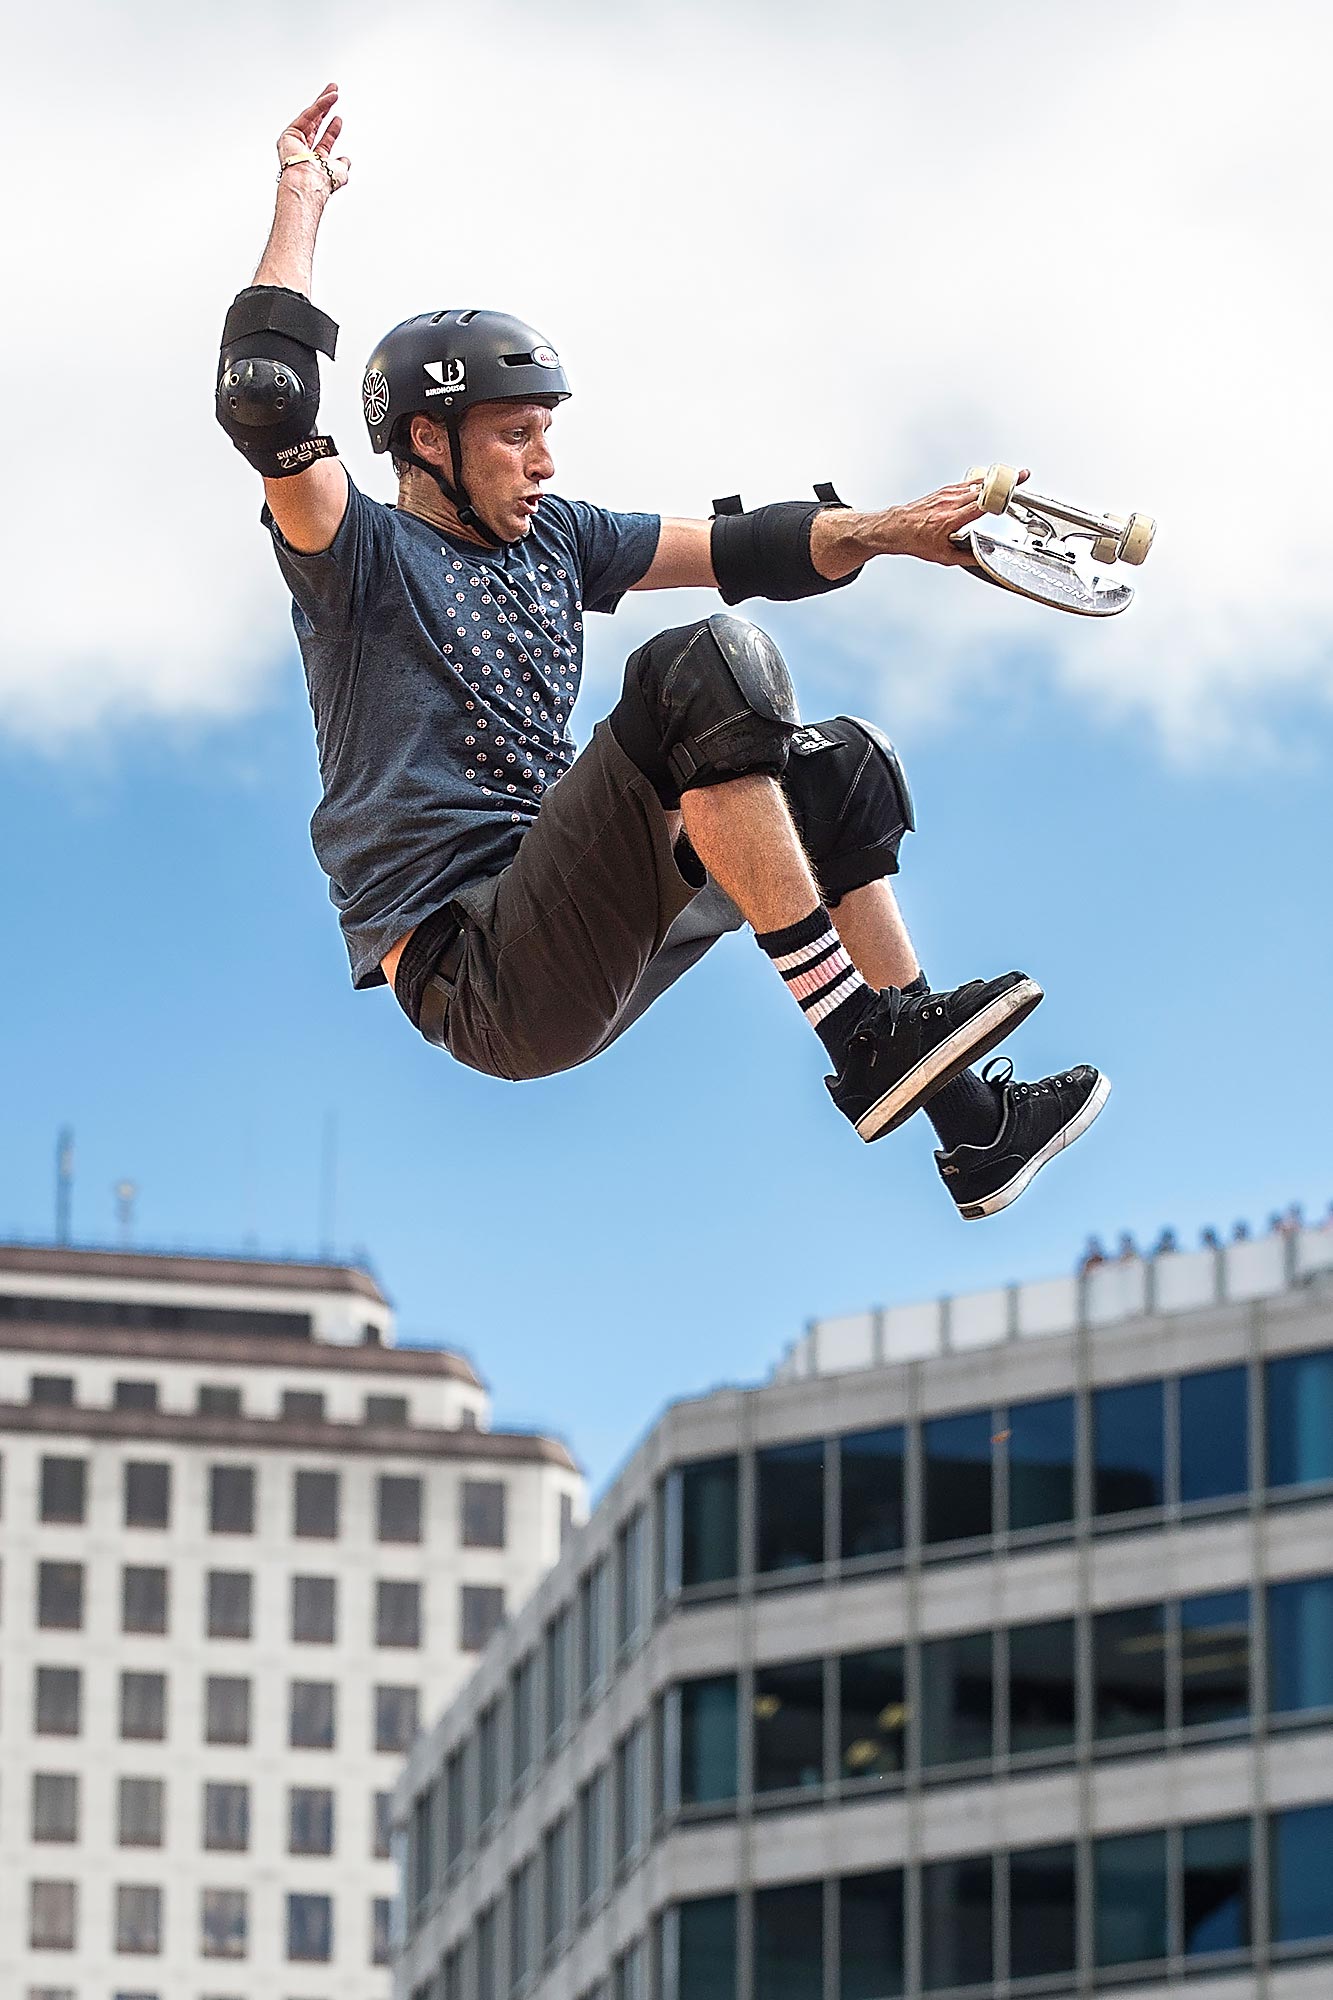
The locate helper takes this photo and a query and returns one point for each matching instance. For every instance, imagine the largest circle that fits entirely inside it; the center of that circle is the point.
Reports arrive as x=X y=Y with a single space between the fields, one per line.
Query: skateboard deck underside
x=1044 y=578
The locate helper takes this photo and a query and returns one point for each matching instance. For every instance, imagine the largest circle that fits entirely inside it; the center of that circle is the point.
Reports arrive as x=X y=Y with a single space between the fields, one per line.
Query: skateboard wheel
x=1137 y=538
x=997 y=488
x=1106 y=549
x=974 y=475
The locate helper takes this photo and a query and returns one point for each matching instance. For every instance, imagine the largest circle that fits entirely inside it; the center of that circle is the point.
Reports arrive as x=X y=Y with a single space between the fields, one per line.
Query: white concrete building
x=986 y=1651
x=247 y=1543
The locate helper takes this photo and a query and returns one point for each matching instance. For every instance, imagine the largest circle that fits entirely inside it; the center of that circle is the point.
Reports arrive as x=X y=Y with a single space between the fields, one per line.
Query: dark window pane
x=1217 y=1887
x=57 y=1701
x=482 y=1513
x=1128 y=1466
x=399 y=1508
x=789 y=1942
x=1300 y=1419
x=957 y=1699
x=381 y=1931
x=134 y=1396
x=790 y=1485
x=1215 y=1658
x=309 y=1820
x=143 y=1599
x=315 y=1505
x=223 y=1923
x=395 y=1717
x=593 y=1643
x=956 y=1920
x=488 y=1763
x=310 y=1929
x=872 y=1493
x=226 y=1709
x=303 y=1405
x=60 y=1596
x=312 y=1717
x=64 y=1489
x=381 y=1825
x=631 y=1792
x=558 y=1649
x=788 y=1725
x=1042 y=1686
x=481 y=1608
x=630 y=1544
x=217 y=1399
x=231 y=1499
x=957 y=1452
x=592 y=1838
x=314 y=1610
x=226 y=1818
x=522 y=1714
x=555 y=1881
x=872 y=1726
x=1043 y=1935
x=1130 y=1880
x=147 y=1495
x=390 y=1410
x=1214 y=1434
x=455 y=1808
x=143 y=1707
x=397 y=1612
x=53 y=1916
x=708 y=1739
x=56 y=1391
x=1129 y=1671
x=55 y=1805
x=140 y=1815
x=1300 y=1644
x=872 y=1936
x=228 y=1603
x=707 y=1949
x=138 y=1918
x=1302 y=1881
x=709 y=1522
x=1041 y=1463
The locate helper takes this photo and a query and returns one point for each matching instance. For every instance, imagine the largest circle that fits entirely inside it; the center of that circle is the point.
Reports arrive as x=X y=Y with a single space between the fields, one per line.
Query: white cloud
x=877 y=242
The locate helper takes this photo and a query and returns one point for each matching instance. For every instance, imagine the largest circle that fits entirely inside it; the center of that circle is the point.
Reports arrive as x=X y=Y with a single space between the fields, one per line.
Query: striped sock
x=830 y=991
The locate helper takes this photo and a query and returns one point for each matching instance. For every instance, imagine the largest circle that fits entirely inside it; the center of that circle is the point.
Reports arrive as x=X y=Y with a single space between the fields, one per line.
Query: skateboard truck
x=1043 y=561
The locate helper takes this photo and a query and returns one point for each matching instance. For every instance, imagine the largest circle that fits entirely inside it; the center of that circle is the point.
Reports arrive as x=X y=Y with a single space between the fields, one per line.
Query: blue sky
x=669 y=1216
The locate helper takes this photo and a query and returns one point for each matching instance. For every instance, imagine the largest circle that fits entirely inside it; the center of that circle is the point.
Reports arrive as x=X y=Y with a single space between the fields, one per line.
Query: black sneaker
x=911 y=1044
x=1039 y=1120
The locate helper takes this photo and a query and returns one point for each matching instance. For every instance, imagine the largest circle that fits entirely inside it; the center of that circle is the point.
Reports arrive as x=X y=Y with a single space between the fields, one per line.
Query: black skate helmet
x=438 y=365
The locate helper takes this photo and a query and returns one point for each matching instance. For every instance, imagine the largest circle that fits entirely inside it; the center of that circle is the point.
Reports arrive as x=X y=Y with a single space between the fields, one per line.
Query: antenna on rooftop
x=64 y=1181
x=125 y=1192
x=328 y=1186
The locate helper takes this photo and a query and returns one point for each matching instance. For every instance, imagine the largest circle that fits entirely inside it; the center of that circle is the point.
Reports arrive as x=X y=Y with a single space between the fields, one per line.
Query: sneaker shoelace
x=895 y=1002
x=999 y=1073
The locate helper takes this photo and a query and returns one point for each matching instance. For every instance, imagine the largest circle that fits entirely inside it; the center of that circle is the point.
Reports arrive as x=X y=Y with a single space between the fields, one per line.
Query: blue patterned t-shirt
x=441 y=677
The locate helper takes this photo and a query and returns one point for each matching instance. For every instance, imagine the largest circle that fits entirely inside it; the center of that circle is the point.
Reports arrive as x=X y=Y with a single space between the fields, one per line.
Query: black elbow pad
x=268 y=379
x=766 y=552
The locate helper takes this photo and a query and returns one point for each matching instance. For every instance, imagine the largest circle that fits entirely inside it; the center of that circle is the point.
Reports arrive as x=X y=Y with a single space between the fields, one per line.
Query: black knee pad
x=850 y=801
x=706 y=702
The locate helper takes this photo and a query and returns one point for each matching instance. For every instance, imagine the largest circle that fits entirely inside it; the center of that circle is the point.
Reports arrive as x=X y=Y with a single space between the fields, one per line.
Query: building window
x=1215 y=1659
x=224 y=1923
x=488 y=1764
x=957 y=1924
x=398 y=1517
x=420 y=1869
x=57 y=1701
x=487 y=1969
x=789 y=1482
x=54 y=1391
x=1040 y=1454
x=139 y=1812
x=147 y=1494
x=789 y=1725
x=230 y=1594
x=482 y=1513
x=631 y=1793
x=1042 y=1687
x=1216 y=1895
x=455 y=1808
x=217 y=1399
x=60 y=1596
x=1129 y=1879
x=309 y=1929
x=709 y=1740
x=134 y=1396
x=143 y=1707
x=1215 y=1435
x=1300 y=1419
x=706 y=1953
x=481 y=1610
x=314 y=1610
x=1301 y=1882
x=958 y=1700
x=566 y=1518
x=312 y=1719
x=315 y=1508
x=631 y=1578
x=555 y=1882
x=303 y=1406
x=788 y=1941
x=381 y=1930
x=872 y=1722
x=871 y=1934
x=1300 y=1645
x=309 y=1820
x=1043 y=1935
x=381 y=1831
x=1129 y=1468
x=558 y=1647
x=226 y=1818
x=231 y=1499
x=64 y=1490
x=520 y=1926
x=709 y=1522
x=523 y=1716
x=957 y=1455
x=143 y=1599
x=1129 y=1672
x=53 y=1916
x=873 y=1490
x=397 y=1613
x=55 y=1806
x=593 y=1646
x=592 y=1839
x=395 y=1717
x=391 y=1410
x=138 y=1918
x=227 y=1709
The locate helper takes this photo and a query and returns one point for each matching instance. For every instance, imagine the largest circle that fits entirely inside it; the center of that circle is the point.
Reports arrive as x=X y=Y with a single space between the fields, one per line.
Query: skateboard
x=1041 y=561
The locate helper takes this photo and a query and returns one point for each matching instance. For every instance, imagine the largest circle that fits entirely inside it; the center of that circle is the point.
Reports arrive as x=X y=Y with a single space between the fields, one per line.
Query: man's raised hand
x=925 y=528
x=314 y=132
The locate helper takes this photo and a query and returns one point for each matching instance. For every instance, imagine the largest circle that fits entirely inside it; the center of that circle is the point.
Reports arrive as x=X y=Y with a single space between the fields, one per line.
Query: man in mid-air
x=524 y=904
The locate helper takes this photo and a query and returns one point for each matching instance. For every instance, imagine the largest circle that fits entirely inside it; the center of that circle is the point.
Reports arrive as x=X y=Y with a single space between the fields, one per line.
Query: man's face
x=506 y=462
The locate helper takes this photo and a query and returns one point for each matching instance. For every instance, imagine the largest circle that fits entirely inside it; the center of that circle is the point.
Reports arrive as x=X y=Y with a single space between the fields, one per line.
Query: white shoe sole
x=976 y=1038
x=1077 y=1126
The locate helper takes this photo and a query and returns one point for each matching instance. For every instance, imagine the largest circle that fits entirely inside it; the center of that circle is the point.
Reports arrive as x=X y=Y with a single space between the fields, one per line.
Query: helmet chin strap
x=454 y=491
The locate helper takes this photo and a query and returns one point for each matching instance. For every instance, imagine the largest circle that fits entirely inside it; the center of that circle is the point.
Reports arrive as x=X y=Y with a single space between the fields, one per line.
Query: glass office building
x=987 y=1650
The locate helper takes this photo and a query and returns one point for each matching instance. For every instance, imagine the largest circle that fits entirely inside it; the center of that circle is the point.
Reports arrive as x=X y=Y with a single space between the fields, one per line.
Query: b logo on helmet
x=375 y=396
x=546 y=357
x=449 y=377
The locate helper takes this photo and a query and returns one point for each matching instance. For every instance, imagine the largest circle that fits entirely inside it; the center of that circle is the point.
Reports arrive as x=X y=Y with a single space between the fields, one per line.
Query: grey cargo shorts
x=594 y=917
